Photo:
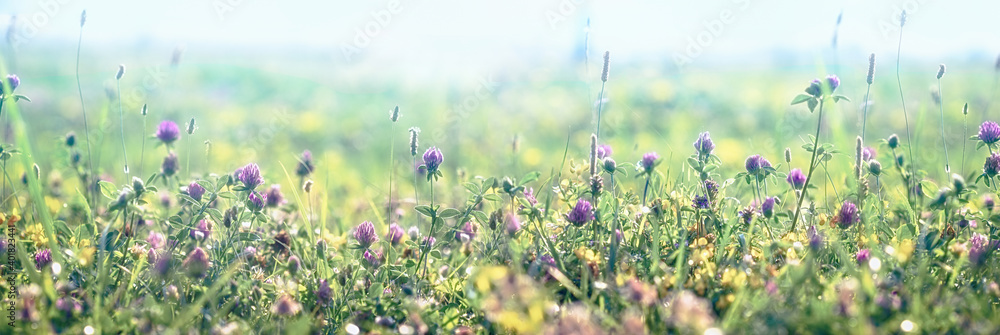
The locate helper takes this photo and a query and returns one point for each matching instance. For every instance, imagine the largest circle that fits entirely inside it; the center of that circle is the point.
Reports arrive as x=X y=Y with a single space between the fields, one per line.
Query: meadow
x=169 y=197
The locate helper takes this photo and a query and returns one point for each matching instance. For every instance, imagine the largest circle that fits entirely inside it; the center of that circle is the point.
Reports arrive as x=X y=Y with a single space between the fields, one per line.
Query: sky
x=466 y=35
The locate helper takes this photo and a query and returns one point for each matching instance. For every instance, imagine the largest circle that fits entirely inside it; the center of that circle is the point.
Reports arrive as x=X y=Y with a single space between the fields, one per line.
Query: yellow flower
x=905 y=250
x=36 y=233
x=86 y=257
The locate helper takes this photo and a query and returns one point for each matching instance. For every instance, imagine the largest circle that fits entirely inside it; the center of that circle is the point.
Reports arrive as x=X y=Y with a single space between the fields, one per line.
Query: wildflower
x=796 y=178
x=395 y=234
x=274 y=196
x=466 y=233
x=712 y=188
x=513 y=224
x=603 y=151
x=871 y=69
x=703 y=145
x=756 y=164
x=648 y=162
x=202 y=231
x=893 y=141
x=992 y=166
x=989 y=202
x=249 y=175
x=874 y=167
x=195 y=191
x=862 y=256
x=529 y=194
x=43 y=258
x=197 y=263
x=372 y=258
x=70 y=139
x=413 y=232
x=640 y=292
x=365 y=234
x=767 y=208
x=156 y=240
x=13 y=81
x=581 y=213
x=609 y=165
x=868 y=154
x=747 y=214
x=69 y=306
x=285 y=306
x=170 y=165
x=168 y=132
x=848 y=215
x=433 y=159
x=324 y=294
x=700 y=202
x=414 y=132
x=305 y=166
x=429 y=241
x=815 y=238
x=256 y=201
x=978 y=249
x=989 y=132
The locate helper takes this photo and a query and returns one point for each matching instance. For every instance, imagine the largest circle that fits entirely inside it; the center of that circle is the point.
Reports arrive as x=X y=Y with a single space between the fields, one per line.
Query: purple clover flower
x=250 y=176
x=979 y=247
x=432 y=159
x=195 y=190
x=256 y=201
x=704 y=145
x=604 y=150
x=43 y=258
x=168 y=132
x=848 y=215
x=868 y=154
x=170 y=165
x=513 y=224
x=992 y=166
x=372 y=258
x=197 y=263
x=989 y=132
x=13 y=81
x=796 y=178
x=862 y=256
x=202 y=231
x=816 y=240
x=274 y=196
x=365 y=234
x=581 y=213
x=467 y=232
x=305 y=166
x=767 y=208
x=648 y=162
x=395 y=234
x=324 y=294
x=156 y=240
x=756 y=164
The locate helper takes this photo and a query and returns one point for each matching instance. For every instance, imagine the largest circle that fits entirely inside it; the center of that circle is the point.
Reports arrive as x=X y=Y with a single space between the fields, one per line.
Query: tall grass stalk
x=944 y=142
x=142 y=151
x=604 y=82
x=902 y=100
x=90 y=156
x=812 y=167
x=965 y=134
x=121 y=116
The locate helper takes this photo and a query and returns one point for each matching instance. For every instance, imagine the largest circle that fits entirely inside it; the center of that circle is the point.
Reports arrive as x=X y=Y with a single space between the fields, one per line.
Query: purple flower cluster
x=13 y=81
x=648 y=162
x=256 y=201
x=603 y=151
x=274 y=196
x=250 y=176
x=978 y=248
x=756 y=165
x=704 y=145
x=581 y=213
x=992 y=166
x=816 y=86
x=195 y=191
x=432 y=159
x=395 y=234
x=701 y=202
x=467 y=232
x=197 y=263
x=767 y=208
x=848 y=215
x=305 y=166
x=202 y=231
x=796 y=178
x=43 y=258
x=372 y=258
x=989 y=132
x=816 y=240
x=170 y=165
x=168 y=132
x=862 y=256
x=365 y=234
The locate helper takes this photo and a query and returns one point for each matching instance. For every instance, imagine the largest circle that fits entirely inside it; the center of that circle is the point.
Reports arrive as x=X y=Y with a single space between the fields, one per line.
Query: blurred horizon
x=419 y=39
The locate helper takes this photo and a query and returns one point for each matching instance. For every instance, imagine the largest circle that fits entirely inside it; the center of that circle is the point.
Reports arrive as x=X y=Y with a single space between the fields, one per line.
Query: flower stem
x=944 y=143
x=121 y=115
x=812 y=165
x=86 y=126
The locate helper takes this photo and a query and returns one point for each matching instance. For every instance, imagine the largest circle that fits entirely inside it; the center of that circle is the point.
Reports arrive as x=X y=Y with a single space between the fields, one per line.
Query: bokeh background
x=268 y=79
